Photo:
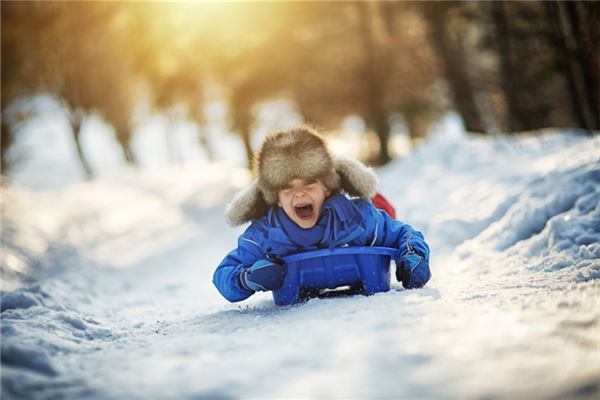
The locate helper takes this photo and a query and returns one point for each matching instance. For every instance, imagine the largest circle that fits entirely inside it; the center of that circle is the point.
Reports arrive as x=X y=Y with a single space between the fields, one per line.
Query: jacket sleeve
x=226 y=276
x=393 y=233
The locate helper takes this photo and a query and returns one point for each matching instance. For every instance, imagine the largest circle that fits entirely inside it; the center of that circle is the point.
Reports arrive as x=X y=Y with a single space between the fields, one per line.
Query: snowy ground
x=107 y=287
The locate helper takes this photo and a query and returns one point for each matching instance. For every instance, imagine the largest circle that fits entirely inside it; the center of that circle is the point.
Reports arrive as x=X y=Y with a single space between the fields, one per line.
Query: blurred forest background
x=502 y=66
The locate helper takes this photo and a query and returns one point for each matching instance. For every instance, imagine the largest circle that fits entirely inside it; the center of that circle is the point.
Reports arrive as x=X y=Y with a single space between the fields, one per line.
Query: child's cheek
x=285 y=198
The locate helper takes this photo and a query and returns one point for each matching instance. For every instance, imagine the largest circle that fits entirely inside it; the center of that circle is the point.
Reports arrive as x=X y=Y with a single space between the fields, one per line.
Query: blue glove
x=262 y=275
x=413 y=271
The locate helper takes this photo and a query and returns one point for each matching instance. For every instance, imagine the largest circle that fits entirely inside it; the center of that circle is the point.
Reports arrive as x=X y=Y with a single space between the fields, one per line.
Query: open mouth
x=304 y=211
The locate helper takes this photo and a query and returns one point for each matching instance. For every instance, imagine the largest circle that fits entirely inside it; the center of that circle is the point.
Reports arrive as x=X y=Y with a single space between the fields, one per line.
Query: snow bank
x=532 y=215
x=107 y=287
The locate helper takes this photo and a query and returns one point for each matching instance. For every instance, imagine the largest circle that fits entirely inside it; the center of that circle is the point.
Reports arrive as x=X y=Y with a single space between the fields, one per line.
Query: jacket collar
x=344 y=223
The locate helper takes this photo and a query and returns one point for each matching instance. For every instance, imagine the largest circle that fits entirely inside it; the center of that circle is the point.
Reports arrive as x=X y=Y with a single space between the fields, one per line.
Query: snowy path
x=119 y=301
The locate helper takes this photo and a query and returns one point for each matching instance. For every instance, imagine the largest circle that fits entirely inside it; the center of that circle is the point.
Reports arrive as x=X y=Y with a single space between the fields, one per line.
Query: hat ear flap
x=247 y=205
x=357 y=179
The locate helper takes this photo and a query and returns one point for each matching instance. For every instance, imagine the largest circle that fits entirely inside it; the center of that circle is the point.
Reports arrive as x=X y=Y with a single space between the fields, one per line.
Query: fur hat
x=297 y=153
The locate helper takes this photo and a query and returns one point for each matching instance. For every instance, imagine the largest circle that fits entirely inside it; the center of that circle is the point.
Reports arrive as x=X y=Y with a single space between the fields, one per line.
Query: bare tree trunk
x=197 y=116
x=374 y=88
x=5 y=142
x=586 y=37
x=172 y=153
x=517 y=118
x=245 y=132
x=128 y=154
x=242 y=120
x=455 y=68
x=76 y=120
x=417 y=128
x=203 y=140
x=557 y=14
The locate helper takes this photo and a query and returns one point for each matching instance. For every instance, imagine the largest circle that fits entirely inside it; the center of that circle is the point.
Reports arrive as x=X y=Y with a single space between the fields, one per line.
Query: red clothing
x=382 y=203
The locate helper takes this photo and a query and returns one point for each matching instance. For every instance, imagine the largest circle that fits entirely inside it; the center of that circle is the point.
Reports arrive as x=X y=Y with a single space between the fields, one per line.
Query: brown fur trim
x=357 y=179
x=247 y=205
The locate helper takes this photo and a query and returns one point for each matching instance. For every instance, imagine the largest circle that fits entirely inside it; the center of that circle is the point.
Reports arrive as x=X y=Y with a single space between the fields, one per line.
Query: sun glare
x=198 y=31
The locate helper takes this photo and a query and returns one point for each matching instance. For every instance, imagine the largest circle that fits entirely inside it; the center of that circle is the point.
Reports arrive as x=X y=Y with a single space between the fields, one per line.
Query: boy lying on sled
x=298 y=203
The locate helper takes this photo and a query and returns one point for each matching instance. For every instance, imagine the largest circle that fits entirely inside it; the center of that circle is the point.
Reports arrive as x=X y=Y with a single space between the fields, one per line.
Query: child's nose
x=300 y=192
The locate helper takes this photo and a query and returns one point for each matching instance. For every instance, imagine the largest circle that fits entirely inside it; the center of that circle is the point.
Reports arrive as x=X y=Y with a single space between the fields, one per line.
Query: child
x=296 y=204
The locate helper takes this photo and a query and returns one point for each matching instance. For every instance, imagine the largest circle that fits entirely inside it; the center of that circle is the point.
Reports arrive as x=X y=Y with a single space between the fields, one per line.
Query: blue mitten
x=413 y=271
x=262 y=275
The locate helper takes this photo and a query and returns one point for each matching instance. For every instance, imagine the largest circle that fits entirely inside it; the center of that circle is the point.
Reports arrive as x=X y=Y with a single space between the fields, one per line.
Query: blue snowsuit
x=343 y=222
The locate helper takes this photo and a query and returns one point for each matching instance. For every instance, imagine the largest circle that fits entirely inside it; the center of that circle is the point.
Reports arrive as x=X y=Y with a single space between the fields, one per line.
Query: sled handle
x=359 y=250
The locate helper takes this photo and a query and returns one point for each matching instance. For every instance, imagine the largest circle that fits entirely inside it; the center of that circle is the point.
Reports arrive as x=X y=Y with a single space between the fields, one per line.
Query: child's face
x=303 y=201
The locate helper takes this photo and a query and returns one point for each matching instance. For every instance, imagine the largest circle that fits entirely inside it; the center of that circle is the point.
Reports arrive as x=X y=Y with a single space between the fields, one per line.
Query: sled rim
x=360 y=250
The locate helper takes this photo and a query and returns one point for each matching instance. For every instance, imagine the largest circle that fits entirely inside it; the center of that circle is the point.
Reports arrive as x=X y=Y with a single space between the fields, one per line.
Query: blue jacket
x=266 y=238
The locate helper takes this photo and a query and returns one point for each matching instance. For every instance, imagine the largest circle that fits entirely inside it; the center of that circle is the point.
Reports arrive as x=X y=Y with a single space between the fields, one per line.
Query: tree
x=256 y=62
x=575 y=26
x=20 y=73
x=172 y=61
x=374 y=76
x=443 y=20
x=70 y=51
x=540 y=59
x=96 y=78
x=351 y=59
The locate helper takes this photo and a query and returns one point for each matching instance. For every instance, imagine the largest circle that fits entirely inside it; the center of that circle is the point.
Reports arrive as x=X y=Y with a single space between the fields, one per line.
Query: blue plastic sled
x=332 y=268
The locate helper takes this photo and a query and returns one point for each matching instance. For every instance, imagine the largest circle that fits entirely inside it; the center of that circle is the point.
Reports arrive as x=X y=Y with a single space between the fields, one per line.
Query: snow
x=107 y=287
